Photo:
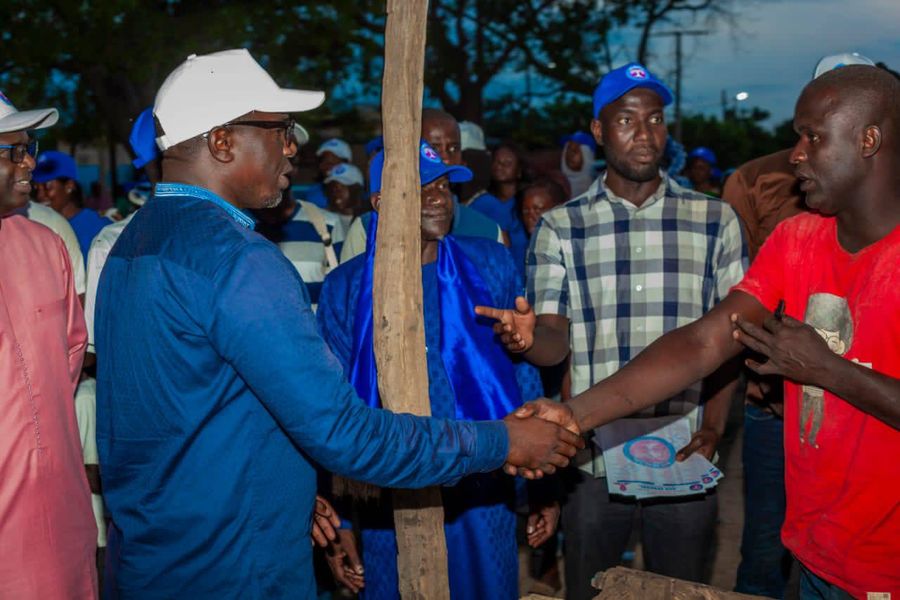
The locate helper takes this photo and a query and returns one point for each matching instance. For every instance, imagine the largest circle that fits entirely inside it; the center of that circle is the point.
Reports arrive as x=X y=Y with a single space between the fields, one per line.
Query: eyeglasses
x=286 y=126
x=17 y=152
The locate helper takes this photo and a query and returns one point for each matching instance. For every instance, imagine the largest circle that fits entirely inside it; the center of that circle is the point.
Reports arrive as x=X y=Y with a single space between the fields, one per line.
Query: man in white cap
x=47 y=529
x=329 y=154
x=344 y=188
x=215 y=393
x=309 y=236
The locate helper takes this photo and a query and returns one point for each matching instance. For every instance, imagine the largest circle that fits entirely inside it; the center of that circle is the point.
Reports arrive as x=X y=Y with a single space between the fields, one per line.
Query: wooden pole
x=399 y=332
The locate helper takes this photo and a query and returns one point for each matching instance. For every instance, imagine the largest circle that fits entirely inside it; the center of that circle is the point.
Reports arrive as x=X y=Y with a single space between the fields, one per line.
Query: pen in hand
x=779 y=310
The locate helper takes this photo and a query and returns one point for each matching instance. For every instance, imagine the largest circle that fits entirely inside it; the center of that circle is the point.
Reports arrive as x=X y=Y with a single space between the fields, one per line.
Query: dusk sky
x=770 y=54
x=776 y=46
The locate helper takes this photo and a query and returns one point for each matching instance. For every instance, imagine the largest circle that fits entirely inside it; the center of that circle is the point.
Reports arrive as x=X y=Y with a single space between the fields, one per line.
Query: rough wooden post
x=620 y=583
x=397 y=295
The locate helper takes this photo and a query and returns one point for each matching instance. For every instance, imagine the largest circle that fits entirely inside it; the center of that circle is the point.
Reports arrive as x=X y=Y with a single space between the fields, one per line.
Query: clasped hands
x=543 y=434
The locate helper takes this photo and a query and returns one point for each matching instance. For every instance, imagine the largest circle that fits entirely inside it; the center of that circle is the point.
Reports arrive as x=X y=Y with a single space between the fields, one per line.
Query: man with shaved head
x=831 y=278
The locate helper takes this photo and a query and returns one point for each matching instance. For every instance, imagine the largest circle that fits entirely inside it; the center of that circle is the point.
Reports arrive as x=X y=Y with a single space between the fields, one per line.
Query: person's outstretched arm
x=262 y=324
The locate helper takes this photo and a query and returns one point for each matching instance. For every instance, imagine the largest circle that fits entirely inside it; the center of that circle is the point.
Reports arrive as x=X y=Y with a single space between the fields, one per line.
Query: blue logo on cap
x=636 y=72
x=339 y=169
x=5 y=100
x=429 y=153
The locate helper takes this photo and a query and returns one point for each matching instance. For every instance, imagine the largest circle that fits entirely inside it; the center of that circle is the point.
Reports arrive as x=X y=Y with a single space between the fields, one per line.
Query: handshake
x=543 y=435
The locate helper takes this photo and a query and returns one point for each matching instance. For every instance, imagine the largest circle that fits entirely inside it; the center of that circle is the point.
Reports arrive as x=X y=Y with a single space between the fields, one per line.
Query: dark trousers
x=813 y=587
x=676 y=534
x=765 y=563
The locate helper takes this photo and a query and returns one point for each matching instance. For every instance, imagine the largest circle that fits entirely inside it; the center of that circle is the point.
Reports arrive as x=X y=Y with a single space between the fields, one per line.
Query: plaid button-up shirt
x=625 y=275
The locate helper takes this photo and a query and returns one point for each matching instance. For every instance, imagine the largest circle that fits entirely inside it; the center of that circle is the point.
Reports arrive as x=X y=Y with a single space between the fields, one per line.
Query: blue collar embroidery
x=183 y=189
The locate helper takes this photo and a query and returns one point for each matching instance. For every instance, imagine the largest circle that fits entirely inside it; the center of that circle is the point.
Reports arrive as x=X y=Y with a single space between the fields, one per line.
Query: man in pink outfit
x=47 y=533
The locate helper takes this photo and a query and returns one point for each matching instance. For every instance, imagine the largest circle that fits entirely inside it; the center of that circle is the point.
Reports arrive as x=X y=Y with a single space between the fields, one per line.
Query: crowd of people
x=193 y=406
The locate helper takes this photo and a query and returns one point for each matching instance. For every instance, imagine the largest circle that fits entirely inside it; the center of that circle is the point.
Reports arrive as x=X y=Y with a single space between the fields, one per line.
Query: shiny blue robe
x=479 y=520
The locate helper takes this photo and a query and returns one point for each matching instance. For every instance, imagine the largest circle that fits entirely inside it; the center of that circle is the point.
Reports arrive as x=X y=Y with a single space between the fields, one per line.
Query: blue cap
x=580 y=137
x=704 y=153
x=619 y=82
x=54 y=165
x=430 y=168
x=143 y=139
x=374 y=145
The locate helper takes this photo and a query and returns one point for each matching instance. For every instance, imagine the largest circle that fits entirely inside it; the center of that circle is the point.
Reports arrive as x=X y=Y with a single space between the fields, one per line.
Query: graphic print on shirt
x=830 y=316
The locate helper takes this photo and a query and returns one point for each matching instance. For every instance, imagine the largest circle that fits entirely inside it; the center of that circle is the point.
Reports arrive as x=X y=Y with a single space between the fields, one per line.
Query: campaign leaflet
x=640 y=459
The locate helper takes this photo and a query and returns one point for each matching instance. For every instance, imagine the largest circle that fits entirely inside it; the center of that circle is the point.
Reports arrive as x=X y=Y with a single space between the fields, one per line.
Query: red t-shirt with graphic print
x=842 y=466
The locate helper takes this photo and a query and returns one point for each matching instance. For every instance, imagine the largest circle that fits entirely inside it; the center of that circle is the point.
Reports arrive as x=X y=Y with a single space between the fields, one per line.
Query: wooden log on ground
x=398 y=329
x=620 y=583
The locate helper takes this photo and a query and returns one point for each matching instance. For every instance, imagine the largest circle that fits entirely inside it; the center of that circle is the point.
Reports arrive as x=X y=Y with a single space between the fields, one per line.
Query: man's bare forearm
x=872 y=392
x=667 y=366
x=720 y=388
x=551 y=346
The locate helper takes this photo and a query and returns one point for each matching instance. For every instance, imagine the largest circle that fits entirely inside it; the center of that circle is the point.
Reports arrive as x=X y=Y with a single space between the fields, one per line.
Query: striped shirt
x=625 y=275
x=303 y=246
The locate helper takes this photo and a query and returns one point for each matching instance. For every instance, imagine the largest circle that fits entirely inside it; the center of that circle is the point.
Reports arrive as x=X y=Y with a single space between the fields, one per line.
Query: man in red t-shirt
x=836 y=271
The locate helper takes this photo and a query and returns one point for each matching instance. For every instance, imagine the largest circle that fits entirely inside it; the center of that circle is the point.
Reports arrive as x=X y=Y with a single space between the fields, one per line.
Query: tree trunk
x=398 y=326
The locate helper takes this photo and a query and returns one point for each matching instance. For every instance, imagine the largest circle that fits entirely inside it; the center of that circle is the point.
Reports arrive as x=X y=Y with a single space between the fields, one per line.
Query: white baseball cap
x=206 y=91
x=345 y=173
x=19 y=120
x=336 y=146
x=471 y=136
x=827 y=63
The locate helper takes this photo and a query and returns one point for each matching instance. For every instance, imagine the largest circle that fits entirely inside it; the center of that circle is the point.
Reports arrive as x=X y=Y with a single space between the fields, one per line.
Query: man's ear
x=871 y=141
x=220 y=143
x=375 y=200
x=597 y=131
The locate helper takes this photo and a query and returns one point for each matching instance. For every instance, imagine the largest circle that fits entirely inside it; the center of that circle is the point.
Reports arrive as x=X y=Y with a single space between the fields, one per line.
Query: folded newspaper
x=640 y=459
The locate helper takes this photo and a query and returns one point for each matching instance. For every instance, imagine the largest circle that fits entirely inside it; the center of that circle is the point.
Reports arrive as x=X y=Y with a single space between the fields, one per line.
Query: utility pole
x=678 y=70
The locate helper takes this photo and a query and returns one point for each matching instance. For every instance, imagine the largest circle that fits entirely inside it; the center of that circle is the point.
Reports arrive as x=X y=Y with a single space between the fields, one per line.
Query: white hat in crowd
x=336 y=146
x=18 y=120
x=471 y=136
x=301 y=136
x=211 y=90
x=345 y=173
x=827 y=63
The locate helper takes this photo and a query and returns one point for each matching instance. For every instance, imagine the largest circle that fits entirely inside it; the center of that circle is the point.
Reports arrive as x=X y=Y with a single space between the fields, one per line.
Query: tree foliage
x=100 y=61
x=736 y=138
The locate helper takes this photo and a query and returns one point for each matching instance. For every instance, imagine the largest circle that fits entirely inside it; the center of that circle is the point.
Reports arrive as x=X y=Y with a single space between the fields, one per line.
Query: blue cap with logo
x=54 y=165
x=143 y=139
x=703 y=153
x=430 y=168
x=580 y=137
x=619 y=82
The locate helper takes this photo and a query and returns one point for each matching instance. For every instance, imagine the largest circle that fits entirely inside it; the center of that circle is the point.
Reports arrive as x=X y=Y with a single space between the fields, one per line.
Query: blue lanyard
x=183 y=189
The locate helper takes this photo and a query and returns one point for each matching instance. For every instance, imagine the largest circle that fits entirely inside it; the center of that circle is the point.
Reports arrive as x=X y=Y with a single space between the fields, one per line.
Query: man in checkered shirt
x=609 y=272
